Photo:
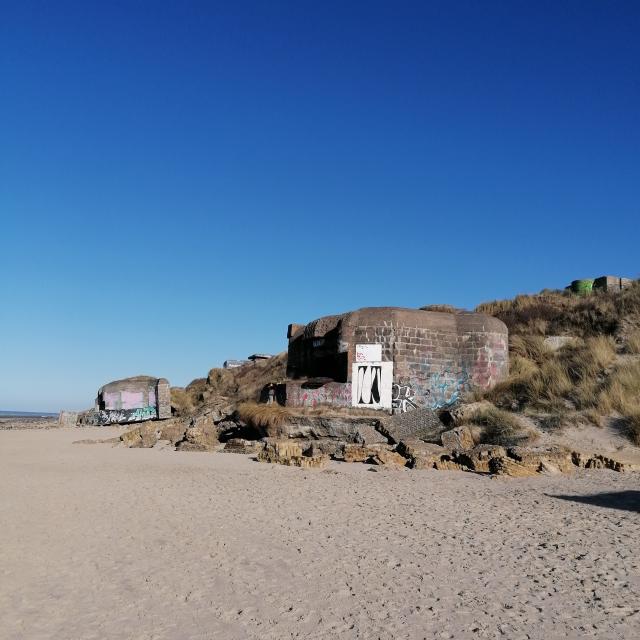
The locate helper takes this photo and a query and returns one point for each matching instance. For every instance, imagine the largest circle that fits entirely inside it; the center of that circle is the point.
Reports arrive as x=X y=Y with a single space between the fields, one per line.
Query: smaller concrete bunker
x=133 y=399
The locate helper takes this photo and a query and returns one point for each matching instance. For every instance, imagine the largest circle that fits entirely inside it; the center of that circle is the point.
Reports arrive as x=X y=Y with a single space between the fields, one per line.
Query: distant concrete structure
x=68 y=418
x=259 y=356
x=130 y=400
x=604 y=283
x=394 y=358
x=234 y=364
x=611 y=283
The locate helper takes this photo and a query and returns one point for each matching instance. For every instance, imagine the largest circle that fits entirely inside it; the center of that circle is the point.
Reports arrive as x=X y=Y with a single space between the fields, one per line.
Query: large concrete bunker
x=394 y=358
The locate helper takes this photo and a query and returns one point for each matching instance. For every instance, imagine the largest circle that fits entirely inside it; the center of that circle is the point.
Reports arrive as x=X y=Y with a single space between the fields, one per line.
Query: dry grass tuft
x=563 y=313
x=502 y=427
x=441 y=308
x=530 y=347
x=621 y=390
x=633 y=342
x=547 y=380
x=581 y=380
x=263 y=415
x=632 y=423
x=181 y=403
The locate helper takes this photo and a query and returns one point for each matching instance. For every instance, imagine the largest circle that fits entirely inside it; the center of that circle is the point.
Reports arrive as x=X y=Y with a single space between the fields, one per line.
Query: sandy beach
x=104 y=542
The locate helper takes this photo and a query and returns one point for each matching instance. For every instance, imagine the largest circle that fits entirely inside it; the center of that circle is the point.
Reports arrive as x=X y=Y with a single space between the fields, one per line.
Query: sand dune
x=103 y=542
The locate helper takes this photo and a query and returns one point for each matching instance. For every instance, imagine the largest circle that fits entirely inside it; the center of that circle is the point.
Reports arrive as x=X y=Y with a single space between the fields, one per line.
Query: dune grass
x=262 y=415
x=543 y=379
x=633 y=342
x=632 y=424
x=502 y=427
x=559 y=312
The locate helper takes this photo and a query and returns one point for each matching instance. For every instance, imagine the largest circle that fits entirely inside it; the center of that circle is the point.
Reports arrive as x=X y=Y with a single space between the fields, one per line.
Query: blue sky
x=181 y=180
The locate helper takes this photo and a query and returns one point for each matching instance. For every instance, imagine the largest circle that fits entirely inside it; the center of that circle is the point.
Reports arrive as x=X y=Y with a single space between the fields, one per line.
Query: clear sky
x=180 y=180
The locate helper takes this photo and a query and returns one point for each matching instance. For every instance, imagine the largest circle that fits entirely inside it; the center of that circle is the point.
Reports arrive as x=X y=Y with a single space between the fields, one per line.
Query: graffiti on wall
x=445 y=388
x=121 y=416
x=334 y=393
x=115 y=400
x=402 y=398
x=371 y=385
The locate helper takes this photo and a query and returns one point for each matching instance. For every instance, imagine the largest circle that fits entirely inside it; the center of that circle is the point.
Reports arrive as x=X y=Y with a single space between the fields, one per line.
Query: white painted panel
x=368 y=352
x=371 y=384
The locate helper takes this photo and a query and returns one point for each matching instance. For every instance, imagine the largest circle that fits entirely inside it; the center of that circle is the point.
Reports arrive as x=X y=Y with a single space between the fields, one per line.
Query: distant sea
x=26 y=414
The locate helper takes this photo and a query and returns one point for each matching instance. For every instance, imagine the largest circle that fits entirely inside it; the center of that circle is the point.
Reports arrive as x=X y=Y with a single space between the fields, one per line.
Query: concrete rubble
x=291 y=454
x=311 y=441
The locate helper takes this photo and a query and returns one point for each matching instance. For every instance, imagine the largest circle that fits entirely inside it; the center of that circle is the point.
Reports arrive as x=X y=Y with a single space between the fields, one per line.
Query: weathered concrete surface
x=463 y=413
x=362 y=453
x=239 y=445
x=536 y=457
x=600 y=461
x=509 y=467
x=612 y=283
x=435 y=356
x=68 y=418
x=135 y=399
x=142 y=436
x=199 y=433
x=458 y=438
x=422 y=455
x=419 y=424
x=338 y=427
x=390 y=459
x=478 y=458
x=289 y=453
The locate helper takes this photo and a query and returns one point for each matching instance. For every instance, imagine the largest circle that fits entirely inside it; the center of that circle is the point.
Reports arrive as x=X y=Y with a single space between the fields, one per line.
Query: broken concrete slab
x=419 y=424
x=338 y=427
x=478 y=458
x=362 y=453
x=389 y=459
x=509 y=467
x=289 y=453
x=239 y=445
x=534 y=457
x=458 y=438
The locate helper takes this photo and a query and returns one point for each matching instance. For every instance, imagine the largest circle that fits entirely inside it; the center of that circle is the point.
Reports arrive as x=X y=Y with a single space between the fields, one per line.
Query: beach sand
x=104 y=542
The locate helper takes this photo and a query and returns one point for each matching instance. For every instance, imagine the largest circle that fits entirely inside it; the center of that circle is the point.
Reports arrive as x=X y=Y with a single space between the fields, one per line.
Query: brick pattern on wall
x=438 y=362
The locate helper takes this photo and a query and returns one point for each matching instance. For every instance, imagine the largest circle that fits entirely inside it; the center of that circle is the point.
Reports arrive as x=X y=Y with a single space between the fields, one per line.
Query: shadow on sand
x=626 y=500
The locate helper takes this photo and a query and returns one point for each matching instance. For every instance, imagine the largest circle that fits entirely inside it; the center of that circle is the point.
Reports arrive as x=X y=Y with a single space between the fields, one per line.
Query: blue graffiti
x=445 y=388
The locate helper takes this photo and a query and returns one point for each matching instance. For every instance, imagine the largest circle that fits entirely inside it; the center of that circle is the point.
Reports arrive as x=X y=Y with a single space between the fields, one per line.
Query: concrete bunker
x=133 y=399
x=394 y=358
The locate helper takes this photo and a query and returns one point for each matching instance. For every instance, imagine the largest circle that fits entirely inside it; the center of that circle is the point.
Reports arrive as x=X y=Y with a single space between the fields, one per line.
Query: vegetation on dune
x=502 y=427
x=181 y=402
x=262 y=415
x=595 y=376
x=237 y=385
x=442 y=308
x=632 y=424
x=553 y=380
x=633 y=342
x=553 y=312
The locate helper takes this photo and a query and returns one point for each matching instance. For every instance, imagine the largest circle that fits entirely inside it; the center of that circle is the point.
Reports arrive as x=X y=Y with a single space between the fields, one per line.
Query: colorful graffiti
x=104 y=417
x=445 y=388
x=402 y=398
x=334 y=393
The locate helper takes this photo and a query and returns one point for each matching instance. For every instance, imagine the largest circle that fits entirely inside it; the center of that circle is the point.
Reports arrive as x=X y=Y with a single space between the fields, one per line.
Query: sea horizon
x=26 y=414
